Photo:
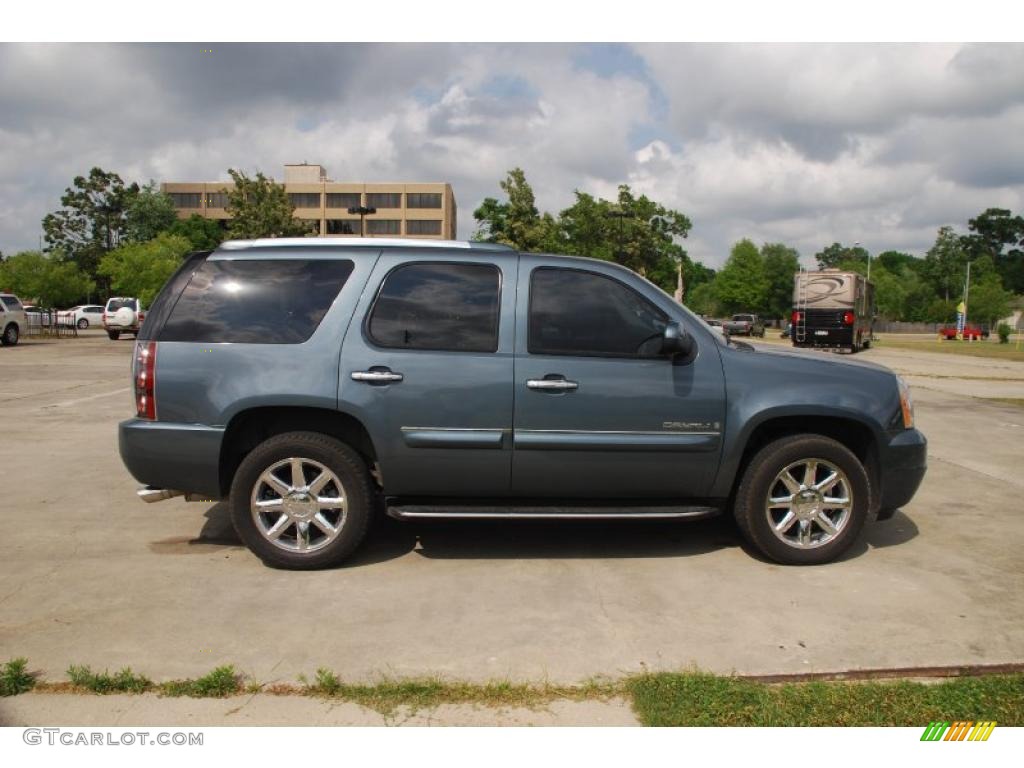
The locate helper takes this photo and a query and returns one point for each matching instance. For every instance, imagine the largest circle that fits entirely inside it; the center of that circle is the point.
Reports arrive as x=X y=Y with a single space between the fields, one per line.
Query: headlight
x=906 y=403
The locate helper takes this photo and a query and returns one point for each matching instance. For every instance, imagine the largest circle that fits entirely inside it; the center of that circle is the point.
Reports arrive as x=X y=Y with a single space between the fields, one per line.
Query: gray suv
x=314 y=382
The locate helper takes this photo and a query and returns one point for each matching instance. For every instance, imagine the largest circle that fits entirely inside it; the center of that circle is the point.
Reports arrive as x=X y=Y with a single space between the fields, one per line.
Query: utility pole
x=362 y=210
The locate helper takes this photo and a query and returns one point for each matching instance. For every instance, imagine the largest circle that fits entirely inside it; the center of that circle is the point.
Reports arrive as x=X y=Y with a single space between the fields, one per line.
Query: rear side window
x=451 y=307
x=578 y=313
x=12 y=304
x=272 y=301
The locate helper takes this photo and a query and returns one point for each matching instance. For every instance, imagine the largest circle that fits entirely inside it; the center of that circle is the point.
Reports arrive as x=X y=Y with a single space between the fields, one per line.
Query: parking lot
x=90 y=575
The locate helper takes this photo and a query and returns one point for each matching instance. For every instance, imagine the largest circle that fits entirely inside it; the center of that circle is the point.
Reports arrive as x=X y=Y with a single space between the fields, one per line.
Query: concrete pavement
x=92 y=576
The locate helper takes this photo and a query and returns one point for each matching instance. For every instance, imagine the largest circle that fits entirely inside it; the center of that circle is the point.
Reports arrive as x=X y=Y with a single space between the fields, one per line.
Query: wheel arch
x=250 y=427
x=860 y=438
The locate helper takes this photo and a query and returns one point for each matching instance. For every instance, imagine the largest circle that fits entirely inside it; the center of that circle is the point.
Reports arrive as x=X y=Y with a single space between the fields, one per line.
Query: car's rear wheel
x=10 y=336
x=113 y=335
x=83 y=324
x=803 y=500
x=301 y=500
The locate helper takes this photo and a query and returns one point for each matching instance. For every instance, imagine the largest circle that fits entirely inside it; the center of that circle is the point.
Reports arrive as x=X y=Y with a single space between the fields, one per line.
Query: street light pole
x=857 y=245
x=362 y=210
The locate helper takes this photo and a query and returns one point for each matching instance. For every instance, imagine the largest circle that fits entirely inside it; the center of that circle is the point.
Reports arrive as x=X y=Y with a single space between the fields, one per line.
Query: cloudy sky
x=804 y=144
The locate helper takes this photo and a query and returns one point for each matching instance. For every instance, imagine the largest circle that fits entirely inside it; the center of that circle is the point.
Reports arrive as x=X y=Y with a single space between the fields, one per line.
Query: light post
x=362 y=210
x=857 y=245
x=620 y=215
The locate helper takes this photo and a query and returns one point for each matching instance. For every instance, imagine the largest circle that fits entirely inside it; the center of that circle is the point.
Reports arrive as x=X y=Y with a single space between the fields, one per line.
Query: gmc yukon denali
x=314 y=383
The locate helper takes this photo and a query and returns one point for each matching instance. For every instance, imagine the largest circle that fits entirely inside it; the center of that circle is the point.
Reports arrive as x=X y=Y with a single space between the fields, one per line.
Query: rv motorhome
x=832 y=309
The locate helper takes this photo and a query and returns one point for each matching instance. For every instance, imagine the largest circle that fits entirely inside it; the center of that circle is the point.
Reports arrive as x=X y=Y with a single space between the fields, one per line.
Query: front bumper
x=903 y=462
x=181 y=457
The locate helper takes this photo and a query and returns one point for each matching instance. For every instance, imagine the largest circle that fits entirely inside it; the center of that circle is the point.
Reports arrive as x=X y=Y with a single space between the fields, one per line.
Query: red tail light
x=145 y=380
x=847 y=318
x=796 y=317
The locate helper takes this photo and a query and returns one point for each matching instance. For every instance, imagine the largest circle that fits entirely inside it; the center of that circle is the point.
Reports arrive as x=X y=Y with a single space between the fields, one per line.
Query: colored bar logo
x=959 y=730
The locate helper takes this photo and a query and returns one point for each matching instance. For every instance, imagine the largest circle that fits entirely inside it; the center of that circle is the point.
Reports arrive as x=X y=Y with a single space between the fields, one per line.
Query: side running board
x=485 y=512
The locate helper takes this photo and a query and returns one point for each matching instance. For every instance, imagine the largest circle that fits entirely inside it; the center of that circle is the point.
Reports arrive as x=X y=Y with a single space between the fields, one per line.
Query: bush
x=1004 y=332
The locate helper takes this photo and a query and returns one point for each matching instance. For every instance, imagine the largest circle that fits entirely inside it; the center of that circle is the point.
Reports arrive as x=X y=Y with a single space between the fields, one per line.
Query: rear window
x=272 y=301
x=12 y=304
x=115 y=304
x=748 y=318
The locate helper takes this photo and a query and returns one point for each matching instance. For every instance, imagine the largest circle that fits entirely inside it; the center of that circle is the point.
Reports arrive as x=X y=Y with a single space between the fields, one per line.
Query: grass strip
x=697 y=699
x=125 y=681
x=221 y=682
x=14 y=677
x=970 y=348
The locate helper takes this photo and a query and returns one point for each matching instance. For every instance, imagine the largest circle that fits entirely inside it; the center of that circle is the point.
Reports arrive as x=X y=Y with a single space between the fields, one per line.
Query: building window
x=384 y=199
x=217 y=200
x=344 y=200
x=304 y=199
x=186 y=199
x=383 y=227
x=423 y=227
x=438 y=306
x=423 y=200
x=343 y=226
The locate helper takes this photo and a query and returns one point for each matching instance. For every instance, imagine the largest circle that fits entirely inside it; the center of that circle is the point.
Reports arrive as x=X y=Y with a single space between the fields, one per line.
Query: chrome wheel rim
x=809 y=503
x=298 y=505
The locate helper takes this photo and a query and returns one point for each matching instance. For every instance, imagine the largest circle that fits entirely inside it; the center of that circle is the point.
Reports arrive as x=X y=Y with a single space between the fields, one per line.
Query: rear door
x=427 y=367
x=599 y=412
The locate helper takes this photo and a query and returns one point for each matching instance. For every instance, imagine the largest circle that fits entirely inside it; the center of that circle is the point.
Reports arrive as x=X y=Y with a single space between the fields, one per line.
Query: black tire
x=114 y=335
x=333 y=454
x=83 y=324
x=10 y=336
x=760 y=476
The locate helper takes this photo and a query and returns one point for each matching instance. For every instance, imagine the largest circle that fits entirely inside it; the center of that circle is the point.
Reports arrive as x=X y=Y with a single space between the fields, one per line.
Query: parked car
x=122 y=315
x=83 y=316
x=466 y=380
x=972 y=331
x=39 y=317
x=744 y=325
x=13 y=320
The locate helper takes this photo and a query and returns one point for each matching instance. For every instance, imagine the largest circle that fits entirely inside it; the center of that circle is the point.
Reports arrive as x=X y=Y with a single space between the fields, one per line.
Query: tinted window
x=115 y=304
x=438 y=306
x=423 y=227
x=573 y=312
x=273 y=301
x=344 y=199
x=423 y=200
x=383 y=226
x=12 y=304
x=384 y=199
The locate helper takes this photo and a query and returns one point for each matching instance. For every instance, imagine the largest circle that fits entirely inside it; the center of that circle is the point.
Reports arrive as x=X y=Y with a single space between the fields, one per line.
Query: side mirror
x=676 y=342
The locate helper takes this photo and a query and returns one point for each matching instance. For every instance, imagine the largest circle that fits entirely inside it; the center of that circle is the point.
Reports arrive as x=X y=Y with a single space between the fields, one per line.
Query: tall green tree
x=92 y=219
x=781 y=263
x=259 y=207
x=999 y=234
x=741 y=285
x=516 y=221
x=835 y=254
x=945 y=264
x=204 y=234
x=148 y=213
x=141 y=269
x=45 y=279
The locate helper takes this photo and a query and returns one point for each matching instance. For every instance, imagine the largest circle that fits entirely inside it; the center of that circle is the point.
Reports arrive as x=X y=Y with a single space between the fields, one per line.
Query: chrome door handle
x=376 y=377
x=552 y=384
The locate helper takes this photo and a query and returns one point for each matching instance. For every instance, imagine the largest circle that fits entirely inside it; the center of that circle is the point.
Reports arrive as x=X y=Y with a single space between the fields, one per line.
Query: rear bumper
x=903 y=464
x=180 y=457
x=825 y=337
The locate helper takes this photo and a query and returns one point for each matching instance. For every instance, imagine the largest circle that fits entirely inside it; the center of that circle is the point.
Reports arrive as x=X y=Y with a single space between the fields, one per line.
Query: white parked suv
x=13 y=321
x=122 y=315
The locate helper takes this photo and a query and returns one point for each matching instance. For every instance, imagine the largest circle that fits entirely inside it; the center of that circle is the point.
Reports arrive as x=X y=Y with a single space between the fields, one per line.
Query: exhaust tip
x=149 y=494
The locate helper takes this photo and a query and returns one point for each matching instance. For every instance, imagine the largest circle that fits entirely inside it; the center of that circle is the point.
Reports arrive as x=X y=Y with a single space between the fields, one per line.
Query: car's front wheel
x=803 y=500
x=301 y=500
x=10 y=336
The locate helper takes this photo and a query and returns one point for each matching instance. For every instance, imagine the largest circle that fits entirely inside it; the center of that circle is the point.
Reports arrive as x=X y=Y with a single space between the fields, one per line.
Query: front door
x=427 y=366
x=600 y=413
